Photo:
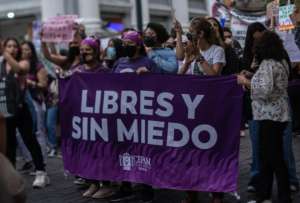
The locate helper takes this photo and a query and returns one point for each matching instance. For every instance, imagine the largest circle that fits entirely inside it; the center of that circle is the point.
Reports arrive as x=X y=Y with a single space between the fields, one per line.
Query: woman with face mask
x=113 y=52
x=12 y=66
x=135 y=56
x=135 y=61
x=155 y=36
x=72 y=59
x=89 y=55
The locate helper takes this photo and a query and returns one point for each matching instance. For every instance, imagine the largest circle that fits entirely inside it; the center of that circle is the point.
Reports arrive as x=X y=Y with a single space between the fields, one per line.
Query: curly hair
x=270 y=46
x=201 y=24
x=161 y=32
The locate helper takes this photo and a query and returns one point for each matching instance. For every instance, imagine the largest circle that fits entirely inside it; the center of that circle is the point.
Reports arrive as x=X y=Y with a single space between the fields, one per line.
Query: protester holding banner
x=165 y=58
x=113 y=52
x=89 y=53
x=271 y=110
x=209 y=59
x=22 y=119
x=136 y=61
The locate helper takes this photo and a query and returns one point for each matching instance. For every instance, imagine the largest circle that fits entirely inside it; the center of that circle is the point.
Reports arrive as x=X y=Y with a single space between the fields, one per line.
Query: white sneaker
x=52 y=153
x=41 y=180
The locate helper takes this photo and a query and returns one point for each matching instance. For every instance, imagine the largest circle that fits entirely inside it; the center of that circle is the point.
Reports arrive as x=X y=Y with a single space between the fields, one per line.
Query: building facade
x=107 y=16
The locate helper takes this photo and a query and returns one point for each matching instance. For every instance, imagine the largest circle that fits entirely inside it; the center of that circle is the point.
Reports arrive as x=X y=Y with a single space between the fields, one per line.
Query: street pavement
x=62 y=189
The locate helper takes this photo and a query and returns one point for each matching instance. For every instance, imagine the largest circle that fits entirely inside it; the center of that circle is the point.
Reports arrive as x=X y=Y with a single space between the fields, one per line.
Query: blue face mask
x=111 y=53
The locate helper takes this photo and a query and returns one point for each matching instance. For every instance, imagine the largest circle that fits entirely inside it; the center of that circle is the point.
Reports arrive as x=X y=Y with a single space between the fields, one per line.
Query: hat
x=91 y=42
x=133 y=36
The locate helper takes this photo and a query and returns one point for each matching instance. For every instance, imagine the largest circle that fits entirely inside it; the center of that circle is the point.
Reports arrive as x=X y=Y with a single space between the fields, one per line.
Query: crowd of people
x=263 y=68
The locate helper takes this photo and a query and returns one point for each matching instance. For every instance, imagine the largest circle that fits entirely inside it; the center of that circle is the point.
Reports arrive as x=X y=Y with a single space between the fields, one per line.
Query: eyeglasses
x=191 y=36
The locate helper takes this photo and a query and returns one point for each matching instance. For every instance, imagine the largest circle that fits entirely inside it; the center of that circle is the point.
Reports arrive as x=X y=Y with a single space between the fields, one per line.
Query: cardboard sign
x=285 y=23
x=59 y=29
x=290 y=46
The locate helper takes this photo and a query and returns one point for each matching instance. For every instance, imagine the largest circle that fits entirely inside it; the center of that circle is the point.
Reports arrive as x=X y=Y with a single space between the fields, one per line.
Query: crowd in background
x=263 y=68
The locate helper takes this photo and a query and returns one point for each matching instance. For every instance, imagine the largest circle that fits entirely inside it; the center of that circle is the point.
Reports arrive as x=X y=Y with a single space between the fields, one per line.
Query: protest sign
x=124 y=127
x=240 y=23
x=285 y=22
x=290 y=46
x=59 y=29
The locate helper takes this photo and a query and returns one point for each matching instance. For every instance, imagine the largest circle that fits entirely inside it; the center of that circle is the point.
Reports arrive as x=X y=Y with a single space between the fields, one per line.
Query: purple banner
x=177 y=132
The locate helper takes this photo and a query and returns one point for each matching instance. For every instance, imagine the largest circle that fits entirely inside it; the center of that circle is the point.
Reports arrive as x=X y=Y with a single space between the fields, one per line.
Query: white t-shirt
x=214 y=55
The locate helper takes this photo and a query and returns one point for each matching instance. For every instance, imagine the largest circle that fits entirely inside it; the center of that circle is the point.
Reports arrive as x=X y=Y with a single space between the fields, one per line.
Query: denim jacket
x=165 y=60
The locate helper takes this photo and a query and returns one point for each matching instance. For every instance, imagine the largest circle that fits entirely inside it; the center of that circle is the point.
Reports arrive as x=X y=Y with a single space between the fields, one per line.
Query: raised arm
x=21 y=67
x=179 y=44
x=55 y=58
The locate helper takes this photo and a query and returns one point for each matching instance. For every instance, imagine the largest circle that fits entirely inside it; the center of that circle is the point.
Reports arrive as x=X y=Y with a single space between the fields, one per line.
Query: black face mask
x=149 y=41
x=73 y=52
x=83 y=58
x=130 y=51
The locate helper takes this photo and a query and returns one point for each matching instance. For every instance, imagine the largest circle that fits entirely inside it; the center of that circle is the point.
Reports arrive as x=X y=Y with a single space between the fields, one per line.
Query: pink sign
x=59 y=29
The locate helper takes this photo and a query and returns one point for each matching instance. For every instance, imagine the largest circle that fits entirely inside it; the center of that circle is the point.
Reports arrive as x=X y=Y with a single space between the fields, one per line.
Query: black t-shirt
x=9 y=92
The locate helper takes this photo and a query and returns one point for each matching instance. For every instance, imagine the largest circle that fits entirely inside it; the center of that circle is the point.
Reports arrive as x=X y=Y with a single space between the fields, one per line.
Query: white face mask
x=228 y=41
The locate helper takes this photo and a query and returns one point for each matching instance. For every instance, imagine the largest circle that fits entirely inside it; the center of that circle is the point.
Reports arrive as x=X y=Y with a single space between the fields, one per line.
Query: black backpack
x=9 y=92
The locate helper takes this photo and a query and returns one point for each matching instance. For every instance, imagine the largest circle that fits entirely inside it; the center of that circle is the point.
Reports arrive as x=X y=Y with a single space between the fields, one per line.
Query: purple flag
x=168 y=131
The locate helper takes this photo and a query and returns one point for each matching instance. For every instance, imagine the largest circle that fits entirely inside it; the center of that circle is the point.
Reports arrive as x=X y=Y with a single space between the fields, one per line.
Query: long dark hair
x=33 y=59
x=201 y=24
x=160 y=30
x=270 y=46
x=221 y=31
x=118 y=45
x=249 y=43
x=18 y=57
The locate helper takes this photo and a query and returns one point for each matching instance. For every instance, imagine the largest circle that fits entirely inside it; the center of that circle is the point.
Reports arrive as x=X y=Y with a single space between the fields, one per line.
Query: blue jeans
x=51 y=121
x=288 y=151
